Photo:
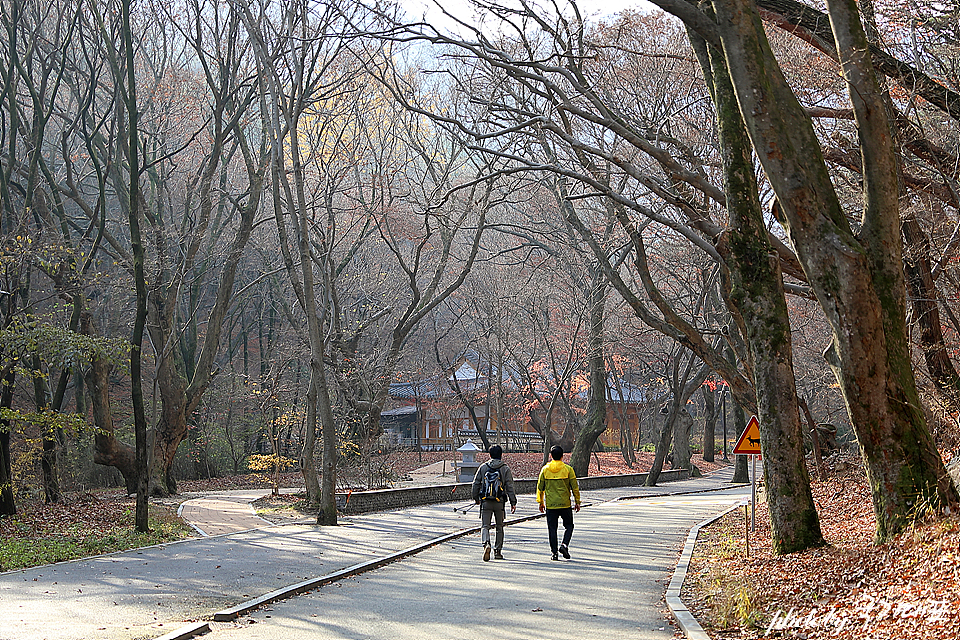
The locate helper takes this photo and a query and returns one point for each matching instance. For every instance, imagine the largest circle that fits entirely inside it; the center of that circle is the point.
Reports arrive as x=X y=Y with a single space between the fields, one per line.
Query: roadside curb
x=688 y=623
x=189 y=631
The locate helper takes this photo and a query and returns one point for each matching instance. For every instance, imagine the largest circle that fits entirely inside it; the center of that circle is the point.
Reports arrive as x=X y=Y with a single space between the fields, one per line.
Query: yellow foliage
x=272 y=462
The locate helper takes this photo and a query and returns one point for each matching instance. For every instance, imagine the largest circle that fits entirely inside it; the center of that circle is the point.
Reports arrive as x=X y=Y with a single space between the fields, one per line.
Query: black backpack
x=492 y=488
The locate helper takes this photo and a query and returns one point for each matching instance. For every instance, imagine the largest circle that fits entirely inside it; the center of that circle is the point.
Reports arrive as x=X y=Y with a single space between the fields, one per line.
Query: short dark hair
x=556 y=451
x=496 y=451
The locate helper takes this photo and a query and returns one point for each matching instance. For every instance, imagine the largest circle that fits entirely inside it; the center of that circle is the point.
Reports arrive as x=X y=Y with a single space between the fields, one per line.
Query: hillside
x=850 y=589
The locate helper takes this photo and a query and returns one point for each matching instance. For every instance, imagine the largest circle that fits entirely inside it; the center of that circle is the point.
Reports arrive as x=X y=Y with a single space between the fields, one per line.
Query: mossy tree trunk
x=755 y=291
x=858 y=279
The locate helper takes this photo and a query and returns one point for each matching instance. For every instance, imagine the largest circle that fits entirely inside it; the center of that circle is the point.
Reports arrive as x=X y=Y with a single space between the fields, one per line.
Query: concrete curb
x=688 y=623
x=189 y=631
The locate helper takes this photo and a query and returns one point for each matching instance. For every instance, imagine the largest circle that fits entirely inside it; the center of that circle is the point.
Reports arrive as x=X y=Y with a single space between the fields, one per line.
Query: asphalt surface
x=611 y=588
x=623 y=553
x=218 y=514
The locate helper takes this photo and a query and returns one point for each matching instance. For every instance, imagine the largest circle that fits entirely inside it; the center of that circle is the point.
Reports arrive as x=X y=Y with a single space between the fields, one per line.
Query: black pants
x=553 y=515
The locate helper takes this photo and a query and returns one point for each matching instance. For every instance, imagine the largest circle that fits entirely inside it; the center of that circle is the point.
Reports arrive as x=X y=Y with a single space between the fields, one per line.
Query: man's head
x=496 y=452
x=556 y=452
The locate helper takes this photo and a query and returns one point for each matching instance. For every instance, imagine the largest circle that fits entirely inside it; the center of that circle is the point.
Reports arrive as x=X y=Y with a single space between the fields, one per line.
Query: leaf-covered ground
x=851 y=589
x=83 y=525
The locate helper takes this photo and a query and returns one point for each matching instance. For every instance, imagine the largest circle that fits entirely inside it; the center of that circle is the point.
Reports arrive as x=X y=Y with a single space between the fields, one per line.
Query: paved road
x=612 y=588
x=229 y=512
x=148 y=592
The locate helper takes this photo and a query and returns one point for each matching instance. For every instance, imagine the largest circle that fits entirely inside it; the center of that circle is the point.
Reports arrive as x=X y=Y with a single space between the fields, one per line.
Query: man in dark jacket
x=493 y=506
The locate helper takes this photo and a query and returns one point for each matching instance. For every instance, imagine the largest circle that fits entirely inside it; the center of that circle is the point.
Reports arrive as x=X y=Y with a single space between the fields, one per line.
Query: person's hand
x=577 y=507
x=541 y=507
x=476 y=502
x=513 y=508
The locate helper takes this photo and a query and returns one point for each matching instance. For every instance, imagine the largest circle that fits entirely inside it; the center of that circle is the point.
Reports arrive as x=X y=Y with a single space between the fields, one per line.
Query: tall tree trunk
x=926 y=310
x=107 y=449
x=682 y=455
x=815 y=439
x=664 y=438
x=328 y=431
x=49 y=458
x=683 y=385
x=626 y=433
x=8 y=504
x=755 y=292
x=308 y=465
x=171 y=427
x=857 y=279
x=183 y=384
x=627 y=451
x=133 y=146
x=596 y=422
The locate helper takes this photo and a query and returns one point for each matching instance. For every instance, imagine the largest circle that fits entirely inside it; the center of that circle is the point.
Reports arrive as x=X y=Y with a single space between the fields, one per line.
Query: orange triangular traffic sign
x=749 y=442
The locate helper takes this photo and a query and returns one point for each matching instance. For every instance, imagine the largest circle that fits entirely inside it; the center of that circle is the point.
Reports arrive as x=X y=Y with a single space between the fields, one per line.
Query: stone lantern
x=468 y=465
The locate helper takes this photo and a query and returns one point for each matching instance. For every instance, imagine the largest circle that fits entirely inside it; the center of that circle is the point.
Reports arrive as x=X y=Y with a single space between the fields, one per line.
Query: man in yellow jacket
x=556 y=482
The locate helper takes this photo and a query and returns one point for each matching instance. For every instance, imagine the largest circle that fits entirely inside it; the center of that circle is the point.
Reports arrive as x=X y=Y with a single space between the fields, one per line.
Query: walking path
x=220 y=513
x=149 y=592
x=611 y=588
x=231 y=511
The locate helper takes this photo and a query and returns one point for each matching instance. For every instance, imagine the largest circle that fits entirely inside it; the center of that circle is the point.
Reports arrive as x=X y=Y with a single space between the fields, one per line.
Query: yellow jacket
x=557 y=480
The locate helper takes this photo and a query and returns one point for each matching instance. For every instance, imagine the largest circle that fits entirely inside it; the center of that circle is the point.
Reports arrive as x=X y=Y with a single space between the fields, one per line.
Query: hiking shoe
x=486 y=553
x=564 y=552
x=497 y=555
x=555 y=557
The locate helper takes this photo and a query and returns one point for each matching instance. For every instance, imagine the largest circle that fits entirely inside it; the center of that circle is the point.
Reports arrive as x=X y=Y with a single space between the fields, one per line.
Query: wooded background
x=228 y=227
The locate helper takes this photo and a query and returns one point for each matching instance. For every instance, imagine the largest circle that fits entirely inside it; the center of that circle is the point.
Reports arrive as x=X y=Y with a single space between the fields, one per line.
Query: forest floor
x=906 y=589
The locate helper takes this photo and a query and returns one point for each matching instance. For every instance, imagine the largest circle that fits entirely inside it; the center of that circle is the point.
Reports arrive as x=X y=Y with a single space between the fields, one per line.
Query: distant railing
x=511 y=441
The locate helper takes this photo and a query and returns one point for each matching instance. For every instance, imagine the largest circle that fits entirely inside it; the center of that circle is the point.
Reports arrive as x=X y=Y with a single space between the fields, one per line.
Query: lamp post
x=723 y=414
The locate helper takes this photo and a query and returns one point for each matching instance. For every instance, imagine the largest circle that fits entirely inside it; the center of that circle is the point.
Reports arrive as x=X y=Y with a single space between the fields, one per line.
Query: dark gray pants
x=496 y=511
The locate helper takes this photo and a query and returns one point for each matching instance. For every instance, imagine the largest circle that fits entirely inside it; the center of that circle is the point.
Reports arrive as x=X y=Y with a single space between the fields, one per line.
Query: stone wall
x=389 y=499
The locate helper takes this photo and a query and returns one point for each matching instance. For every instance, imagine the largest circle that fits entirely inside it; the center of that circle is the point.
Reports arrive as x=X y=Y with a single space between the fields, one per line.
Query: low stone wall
x=390 y=499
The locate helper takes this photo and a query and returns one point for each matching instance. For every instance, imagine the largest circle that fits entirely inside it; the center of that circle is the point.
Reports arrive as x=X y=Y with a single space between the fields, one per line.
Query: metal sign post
x=746 y=530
